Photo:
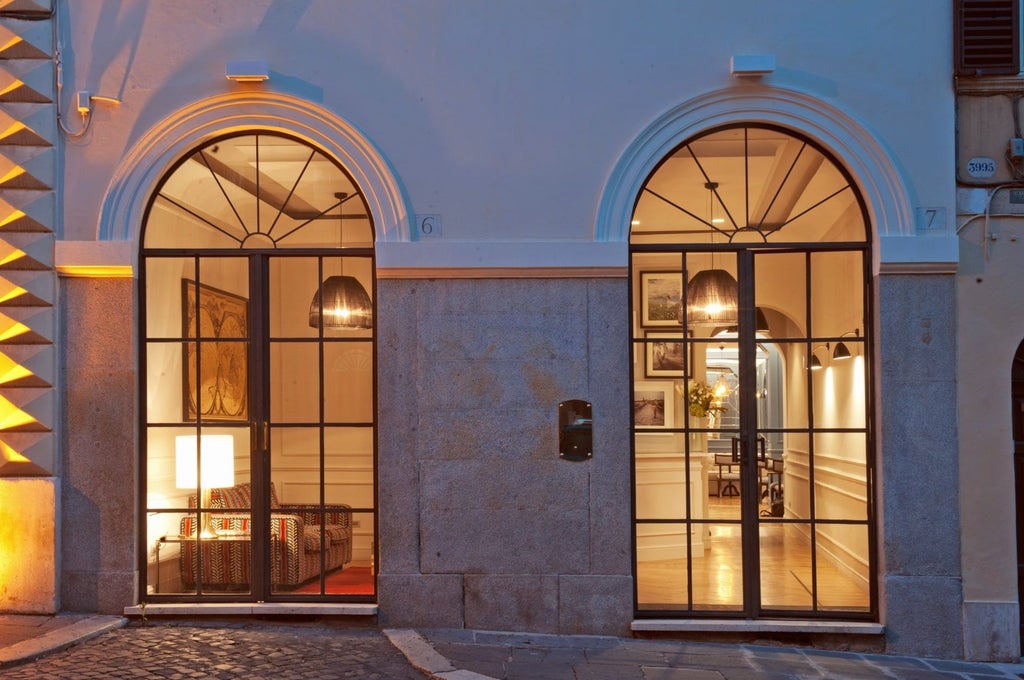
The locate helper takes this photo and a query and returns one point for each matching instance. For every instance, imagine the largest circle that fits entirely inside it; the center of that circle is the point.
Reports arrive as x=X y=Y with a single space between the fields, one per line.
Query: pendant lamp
x=711 y=296
x=341 y=302
x=711 y=299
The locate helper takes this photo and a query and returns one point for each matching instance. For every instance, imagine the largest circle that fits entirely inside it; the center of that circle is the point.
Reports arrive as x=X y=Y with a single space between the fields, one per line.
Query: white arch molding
x=151 y=156
x=874 y=171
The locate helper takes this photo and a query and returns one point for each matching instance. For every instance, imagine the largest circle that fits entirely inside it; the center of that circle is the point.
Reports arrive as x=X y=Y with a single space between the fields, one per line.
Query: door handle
x=260 y=435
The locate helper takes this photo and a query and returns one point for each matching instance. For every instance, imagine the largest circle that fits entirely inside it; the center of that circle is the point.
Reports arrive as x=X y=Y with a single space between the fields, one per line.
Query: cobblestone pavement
x=253 y=651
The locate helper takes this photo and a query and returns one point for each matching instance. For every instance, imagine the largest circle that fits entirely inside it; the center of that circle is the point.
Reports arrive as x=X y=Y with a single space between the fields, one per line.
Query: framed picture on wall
x=653 y=404
x=661 y=299
x=215 y=382
x=665 y=356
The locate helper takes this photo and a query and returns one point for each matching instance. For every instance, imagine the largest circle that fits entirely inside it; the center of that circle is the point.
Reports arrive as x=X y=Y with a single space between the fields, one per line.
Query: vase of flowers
x=703 y=407
x=701 y=401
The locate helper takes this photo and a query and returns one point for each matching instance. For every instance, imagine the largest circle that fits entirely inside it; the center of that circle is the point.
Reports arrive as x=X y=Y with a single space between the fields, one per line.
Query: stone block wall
x=482 y=525
x=99 y=452
x=919 y=467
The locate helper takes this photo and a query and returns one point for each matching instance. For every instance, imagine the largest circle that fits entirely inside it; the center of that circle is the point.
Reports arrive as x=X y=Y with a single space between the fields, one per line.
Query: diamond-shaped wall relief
x=38 y=205
x=26 y=289
x=26 y=454
x=26 y=326
x=31 y=40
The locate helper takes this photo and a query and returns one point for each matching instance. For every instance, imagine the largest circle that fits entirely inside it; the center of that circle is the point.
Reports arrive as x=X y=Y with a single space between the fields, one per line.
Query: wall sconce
x=815 y=362
x=253 y=71
x=842 y=351
x=216 y=471
x=752 y=65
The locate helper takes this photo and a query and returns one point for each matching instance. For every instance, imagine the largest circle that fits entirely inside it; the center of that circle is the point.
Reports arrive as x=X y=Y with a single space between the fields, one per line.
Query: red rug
x=349 y=581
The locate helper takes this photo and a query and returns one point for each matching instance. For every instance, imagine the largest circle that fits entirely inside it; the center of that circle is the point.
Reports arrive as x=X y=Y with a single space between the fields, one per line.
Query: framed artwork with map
x=215 y=384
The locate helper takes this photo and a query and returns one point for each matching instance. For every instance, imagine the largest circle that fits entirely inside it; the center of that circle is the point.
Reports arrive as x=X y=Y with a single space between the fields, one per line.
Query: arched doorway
x=752 y=429
x=1017 y=409
x=257 y=345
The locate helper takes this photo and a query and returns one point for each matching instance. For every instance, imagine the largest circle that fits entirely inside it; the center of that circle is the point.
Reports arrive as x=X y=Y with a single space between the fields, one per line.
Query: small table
x=221 y=537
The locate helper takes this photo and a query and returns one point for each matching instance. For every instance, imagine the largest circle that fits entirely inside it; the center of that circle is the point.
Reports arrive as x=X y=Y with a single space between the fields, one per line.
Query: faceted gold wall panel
x=28 y=282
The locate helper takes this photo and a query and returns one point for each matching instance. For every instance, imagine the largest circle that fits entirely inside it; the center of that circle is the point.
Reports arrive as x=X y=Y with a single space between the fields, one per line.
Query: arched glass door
x=258 y=461
x=751 y=382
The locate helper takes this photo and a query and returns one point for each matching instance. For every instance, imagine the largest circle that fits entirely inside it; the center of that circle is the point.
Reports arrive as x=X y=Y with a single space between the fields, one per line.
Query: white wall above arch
x=151 y=156
x=875 y=171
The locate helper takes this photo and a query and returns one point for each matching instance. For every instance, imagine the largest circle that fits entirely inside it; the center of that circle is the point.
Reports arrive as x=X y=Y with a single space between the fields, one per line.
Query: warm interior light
x=217 y=469
x=344 y=302
x=721 y=388
x=815 y=362
x=711 y=295
x=341 y=302
x=842 y=351
x=711 y=299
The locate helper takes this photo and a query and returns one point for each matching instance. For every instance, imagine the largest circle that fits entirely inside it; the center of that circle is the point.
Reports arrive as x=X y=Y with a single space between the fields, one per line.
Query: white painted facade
x=527 y=129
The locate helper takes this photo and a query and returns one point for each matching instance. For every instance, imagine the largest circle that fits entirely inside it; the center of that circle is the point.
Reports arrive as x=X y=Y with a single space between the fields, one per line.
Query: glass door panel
x=750 y=253
x=321 y=445
x=718 y=574
x=787 y=577
x=198 y=436
x=837 y=301
x=239 y=372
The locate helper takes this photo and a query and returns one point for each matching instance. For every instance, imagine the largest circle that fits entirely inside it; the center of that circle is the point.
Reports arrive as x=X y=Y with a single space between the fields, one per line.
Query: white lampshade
x=218 y=453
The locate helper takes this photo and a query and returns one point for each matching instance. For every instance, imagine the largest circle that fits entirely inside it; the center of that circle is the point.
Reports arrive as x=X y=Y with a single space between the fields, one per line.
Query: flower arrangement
x=701 y=401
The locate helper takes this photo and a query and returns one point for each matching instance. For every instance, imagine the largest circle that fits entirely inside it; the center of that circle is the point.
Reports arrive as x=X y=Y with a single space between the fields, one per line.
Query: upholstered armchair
x=299 y=534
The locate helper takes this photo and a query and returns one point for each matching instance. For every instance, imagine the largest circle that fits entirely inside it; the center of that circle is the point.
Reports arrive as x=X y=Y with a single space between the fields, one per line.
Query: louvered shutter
x=987 y=37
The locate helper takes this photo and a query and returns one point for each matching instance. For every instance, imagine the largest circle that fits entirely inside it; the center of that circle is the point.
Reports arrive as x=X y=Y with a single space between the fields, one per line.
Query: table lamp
x=217 y=452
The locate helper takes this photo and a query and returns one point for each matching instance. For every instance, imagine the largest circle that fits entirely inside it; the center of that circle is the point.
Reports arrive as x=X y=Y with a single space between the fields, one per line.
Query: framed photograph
x=216 y=378
x=661 y=299
x=665 y=356
x=653 y=404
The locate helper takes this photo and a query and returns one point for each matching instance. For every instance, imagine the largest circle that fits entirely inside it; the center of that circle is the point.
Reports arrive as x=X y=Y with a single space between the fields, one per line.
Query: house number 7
x=931 y=219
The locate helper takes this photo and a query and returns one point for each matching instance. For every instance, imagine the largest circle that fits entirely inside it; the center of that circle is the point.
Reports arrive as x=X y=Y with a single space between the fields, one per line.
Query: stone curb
x=58 y=639
x=422 y=655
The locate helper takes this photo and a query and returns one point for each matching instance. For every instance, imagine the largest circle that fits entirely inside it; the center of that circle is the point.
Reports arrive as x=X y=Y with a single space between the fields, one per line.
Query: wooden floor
x=717 y=580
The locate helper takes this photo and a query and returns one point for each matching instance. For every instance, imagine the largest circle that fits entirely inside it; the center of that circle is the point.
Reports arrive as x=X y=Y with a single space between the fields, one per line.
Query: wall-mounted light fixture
x=251 y=71
x=842 y=351
x=815 y=362
x=752 y=65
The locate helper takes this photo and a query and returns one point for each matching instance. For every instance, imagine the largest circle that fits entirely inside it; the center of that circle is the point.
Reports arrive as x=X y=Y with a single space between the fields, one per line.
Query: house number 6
x=429 y=226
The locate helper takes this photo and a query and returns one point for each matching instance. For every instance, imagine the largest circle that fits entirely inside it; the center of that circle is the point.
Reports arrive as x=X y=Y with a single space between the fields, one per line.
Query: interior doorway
x=258 y=461
x=751 y=383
